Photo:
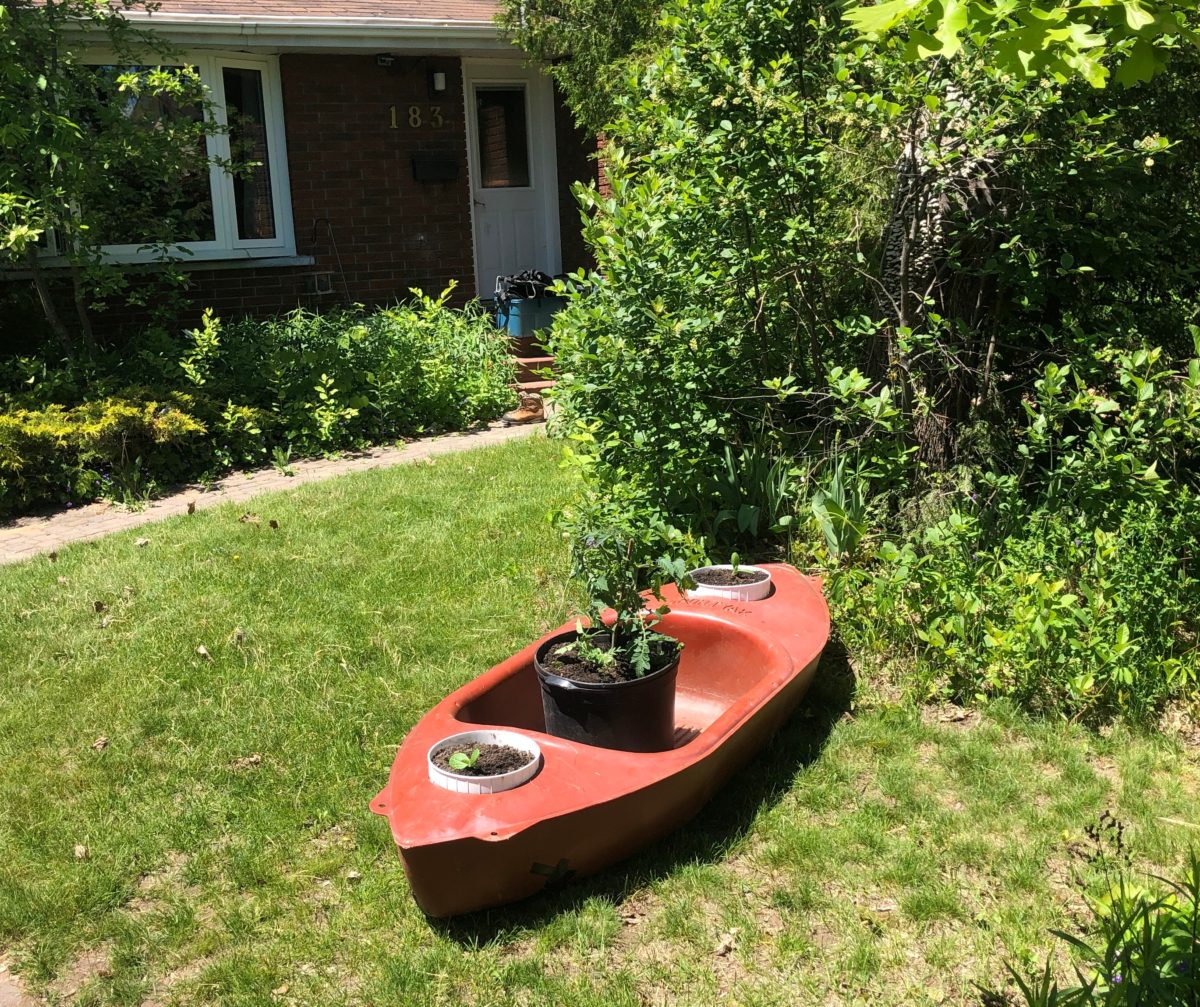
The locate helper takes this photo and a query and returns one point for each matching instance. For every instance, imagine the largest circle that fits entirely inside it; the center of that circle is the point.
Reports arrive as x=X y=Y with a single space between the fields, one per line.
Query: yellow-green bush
x=116 y=445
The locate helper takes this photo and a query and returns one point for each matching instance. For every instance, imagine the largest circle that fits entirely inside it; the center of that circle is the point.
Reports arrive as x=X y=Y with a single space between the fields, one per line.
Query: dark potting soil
x=493 y=759
x=566 y=663
x=727 y=578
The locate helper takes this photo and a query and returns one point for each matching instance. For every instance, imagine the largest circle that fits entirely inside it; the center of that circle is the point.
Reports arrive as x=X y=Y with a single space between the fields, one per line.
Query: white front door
x=514 y=171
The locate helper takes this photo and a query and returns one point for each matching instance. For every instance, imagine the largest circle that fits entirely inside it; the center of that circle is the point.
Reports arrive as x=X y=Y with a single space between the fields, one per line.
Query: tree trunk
x=931 y=264
x=81 y=311
x=48 y=307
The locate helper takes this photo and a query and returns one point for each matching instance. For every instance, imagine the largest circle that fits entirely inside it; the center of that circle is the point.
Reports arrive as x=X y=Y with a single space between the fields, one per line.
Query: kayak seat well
x=721 y=663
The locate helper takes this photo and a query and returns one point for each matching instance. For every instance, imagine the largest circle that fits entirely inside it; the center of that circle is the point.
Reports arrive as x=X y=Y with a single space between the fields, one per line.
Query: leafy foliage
x=585 y=45
x=1027 y=40
x=80 y=165
x=618 y=550
x=1144 y=951
x=928 y=321
x=1066 y=581
x=227 y=395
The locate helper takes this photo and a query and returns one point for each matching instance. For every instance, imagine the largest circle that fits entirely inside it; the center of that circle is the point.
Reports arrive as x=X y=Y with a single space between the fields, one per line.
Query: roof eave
x=341 y=33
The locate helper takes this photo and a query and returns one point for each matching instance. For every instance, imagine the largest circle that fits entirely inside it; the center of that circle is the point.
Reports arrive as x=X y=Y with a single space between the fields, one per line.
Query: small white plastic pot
x=753 y=591
x=462 y=784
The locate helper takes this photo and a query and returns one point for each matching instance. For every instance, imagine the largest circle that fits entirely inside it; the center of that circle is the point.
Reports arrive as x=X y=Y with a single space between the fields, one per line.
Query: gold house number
x=417 y=117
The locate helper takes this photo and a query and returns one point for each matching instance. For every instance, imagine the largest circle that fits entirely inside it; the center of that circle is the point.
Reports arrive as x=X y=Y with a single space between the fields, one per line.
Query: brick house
x=402 y=143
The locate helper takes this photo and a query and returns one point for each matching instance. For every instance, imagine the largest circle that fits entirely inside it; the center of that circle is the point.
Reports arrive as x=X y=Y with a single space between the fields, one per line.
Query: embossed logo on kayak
x=717 y=604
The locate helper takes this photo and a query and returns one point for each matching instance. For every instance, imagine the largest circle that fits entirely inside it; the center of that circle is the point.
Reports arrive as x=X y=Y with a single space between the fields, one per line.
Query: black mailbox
x=434 y=167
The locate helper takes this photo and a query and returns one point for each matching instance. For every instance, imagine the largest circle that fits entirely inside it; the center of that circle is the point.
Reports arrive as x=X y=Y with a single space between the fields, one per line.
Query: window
x=212 y=213
x=503 y=138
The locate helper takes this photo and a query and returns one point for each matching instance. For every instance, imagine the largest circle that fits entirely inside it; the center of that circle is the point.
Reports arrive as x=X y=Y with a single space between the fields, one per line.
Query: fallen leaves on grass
x=81 y=852
x=203 y=652
x=100 y=744
x=249 y=518
x=246 y=762
x=141 y=543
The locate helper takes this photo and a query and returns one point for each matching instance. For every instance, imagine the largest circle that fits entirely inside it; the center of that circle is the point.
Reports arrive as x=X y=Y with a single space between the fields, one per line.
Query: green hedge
x=171 y=408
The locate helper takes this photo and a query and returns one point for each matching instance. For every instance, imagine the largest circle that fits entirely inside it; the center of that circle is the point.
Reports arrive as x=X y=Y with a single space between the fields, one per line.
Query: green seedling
x=600 y=657
x=461 y=760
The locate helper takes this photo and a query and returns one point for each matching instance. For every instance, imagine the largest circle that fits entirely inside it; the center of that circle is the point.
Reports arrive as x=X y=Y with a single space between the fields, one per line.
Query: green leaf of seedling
x=461 y=760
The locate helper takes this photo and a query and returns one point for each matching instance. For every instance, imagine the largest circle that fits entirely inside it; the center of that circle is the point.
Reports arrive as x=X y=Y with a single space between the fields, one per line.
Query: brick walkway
x=30 y=536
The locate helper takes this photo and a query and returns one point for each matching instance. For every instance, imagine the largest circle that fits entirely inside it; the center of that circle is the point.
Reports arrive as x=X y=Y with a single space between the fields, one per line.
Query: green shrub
x=1070 y=582
x=350 y=378
x=169 y=409
x=114 y=446
x=1144 y=950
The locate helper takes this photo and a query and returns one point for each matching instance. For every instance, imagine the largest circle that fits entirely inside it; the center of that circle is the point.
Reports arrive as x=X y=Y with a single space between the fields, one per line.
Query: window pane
x=503 y=143
x=137 y=131
x=248 y=150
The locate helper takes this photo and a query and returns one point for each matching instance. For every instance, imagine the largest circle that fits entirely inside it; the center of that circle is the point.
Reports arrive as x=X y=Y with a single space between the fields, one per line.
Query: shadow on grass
x=708 y=837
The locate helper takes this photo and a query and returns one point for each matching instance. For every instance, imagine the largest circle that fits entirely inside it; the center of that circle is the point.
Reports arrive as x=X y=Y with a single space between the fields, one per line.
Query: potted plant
x=731 y=581
x=483 y=762
x=611 y=682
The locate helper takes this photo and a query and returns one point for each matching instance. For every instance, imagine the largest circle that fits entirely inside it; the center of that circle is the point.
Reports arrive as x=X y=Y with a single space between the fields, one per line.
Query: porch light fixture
x=437 y=82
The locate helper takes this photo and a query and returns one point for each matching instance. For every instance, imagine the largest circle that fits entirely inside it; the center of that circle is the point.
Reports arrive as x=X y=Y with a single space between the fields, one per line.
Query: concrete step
x=533 y=387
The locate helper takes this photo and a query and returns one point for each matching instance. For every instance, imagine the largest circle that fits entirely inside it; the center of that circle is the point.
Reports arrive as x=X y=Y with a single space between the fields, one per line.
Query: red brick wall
x=576 y=162
x=357 y=208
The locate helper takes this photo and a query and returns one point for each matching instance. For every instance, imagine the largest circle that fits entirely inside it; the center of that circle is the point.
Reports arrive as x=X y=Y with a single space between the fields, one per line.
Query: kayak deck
x=743 y=668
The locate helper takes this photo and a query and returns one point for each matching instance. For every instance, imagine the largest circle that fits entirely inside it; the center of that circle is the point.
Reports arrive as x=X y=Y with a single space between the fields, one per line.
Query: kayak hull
x=745 y=666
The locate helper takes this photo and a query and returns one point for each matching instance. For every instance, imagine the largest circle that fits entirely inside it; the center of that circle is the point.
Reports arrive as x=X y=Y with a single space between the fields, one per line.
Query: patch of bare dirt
x=334 y=837
x=160 y=991
x=94 y=963
x=948 y=715
x=12 y=993
x=1103 y=766
x=158 y=885
x=1183 y=725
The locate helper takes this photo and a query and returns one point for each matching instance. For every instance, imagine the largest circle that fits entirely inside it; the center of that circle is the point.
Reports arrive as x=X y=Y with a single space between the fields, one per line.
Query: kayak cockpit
x=722 y=666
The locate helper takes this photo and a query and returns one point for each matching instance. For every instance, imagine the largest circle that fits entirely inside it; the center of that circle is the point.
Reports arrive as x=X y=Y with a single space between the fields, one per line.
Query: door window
x=503 y=137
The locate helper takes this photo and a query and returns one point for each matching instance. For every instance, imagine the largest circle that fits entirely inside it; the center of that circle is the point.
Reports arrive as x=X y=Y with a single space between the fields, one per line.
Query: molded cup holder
x=461 y=783
x=753 y=591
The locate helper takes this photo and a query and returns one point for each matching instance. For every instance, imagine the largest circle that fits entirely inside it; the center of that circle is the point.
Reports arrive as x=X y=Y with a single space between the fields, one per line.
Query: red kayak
x=744 y=667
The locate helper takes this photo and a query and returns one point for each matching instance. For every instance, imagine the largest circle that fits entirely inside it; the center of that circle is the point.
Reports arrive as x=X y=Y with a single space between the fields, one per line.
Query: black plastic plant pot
x=633 y=716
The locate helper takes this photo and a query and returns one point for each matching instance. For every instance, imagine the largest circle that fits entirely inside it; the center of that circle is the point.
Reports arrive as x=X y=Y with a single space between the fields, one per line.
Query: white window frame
x=226 y=245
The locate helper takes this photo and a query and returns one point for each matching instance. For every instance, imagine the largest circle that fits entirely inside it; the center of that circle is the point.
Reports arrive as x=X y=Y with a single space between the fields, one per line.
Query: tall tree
x=586 y=46
x=102 y=141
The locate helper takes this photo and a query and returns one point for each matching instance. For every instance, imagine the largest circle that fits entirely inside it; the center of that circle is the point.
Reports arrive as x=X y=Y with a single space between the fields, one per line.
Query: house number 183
x=417 y=117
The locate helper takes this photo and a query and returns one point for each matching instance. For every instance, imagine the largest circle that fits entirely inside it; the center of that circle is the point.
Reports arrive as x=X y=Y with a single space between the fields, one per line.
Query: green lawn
x=218 y=848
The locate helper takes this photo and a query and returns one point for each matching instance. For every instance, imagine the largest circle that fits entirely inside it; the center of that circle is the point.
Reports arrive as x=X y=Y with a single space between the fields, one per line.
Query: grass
x=184 y=827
